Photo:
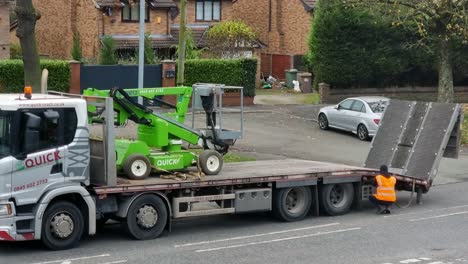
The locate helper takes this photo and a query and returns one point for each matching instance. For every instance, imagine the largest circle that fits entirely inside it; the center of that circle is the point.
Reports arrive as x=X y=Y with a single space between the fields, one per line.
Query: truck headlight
x=5 y=209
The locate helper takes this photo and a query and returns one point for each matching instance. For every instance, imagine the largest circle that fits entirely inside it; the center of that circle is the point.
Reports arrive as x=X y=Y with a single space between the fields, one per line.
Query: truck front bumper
x=8 y=230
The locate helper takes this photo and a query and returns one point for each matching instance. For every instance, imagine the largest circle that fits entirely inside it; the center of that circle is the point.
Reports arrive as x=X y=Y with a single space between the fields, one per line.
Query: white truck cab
x=44 y=155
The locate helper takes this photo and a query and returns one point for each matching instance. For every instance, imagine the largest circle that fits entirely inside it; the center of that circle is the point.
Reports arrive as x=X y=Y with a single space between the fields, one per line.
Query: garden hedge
x=12 y=75
x=235 y=72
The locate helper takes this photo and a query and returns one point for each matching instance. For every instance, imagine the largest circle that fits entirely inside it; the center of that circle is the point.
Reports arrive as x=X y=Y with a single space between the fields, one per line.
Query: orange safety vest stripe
x=385 y=188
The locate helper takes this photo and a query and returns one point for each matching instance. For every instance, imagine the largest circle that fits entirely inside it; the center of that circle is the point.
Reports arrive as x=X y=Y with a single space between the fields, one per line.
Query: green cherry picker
x=158 y=146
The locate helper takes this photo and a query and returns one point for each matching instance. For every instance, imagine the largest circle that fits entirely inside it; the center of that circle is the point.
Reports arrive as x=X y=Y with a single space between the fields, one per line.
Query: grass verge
x=231 y=156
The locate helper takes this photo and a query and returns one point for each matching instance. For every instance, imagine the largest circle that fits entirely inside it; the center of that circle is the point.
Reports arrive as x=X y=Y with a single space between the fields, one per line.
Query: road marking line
x=438 y=216
x=410 y=261
x=436 y=262
x=277 y=240
x=72 y=259
x=115 y=262
x=427 y=211
x=251 y=236
x=425 y=258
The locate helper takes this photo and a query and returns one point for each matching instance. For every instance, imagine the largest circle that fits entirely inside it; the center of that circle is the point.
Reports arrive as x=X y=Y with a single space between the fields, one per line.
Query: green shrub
x=16 y=52
x=149 y=56
x=107 y=55
x=76 y=51
x=237 y=72
x=12 y=75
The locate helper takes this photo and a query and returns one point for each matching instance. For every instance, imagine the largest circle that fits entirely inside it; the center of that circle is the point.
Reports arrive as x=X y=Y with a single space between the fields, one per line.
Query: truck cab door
x=6 y=159
x=39 y=164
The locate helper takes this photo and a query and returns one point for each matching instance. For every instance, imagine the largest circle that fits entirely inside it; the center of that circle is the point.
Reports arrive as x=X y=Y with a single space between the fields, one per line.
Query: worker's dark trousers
x=379 y=203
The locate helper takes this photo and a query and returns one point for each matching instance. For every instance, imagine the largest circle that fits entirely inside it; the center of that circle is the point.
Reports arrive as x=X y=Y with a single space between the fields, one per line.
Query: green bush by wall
x=12 y=75
x=236 y=72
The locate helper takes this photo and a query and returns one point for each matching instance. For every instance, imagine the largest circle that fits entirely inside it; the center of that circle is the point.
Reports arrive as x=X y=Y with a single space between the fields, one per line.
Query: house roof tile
x=154 y=3
x=161 y=40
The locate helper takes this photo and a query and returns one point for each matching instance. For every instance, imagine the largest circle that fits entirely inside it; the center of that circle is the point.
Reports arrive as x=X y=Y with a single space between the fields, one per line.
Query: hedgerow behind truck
x=56 y=183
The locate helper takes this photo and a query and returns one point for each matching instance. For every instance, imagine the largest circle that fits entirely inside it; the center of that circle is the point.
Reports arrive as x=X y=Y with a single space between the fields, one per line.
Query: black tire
x=292 y=204
x=362 y=132
x=67 y=217
x=137 y=167
x=323 y=121
x=337 y=199
x=211 y=162
x=141 y=210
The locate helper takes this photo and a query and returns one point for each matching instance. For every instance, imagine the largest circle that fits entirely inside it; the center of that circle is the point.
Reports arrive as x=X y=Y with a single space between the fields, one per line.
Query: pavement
x=432 y=233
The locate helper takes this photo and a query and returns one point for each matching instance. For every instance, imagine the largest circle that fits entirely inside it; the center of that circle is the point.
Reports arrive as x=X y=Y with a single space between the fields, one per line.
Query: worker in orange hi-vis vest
x=385 y=195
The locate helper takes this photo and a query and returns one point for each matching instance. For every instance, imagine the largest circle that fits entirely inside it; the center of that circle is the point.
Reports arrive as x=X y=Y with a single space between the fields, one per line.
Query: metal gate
x=414 y=136
x=105 y=77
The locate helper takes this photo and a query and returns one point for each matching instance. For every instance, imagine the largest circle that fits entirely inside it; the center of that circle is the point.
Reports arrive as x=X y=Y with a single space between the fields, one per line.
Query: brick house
x=283 y=26
x=119 y=18
x=4 y=29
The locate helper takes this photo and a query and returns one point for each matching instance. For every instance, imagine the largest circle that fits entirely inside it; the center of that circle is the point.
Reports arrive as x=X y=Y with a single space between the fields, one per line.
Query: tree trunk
x=182 y=44
x=27 y=16
x=445 y=93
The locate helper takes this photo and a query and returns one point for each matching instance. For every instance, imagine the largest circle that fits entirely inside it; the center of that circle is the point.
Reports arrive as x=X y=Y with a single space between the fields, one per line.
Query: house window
x=131 y=13
x=208 y=10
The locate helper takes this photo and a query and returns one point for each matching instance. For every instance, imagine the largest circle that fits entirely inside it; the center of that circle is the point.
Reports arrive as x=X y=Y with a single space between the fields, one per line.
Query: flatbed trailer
x=59 y=194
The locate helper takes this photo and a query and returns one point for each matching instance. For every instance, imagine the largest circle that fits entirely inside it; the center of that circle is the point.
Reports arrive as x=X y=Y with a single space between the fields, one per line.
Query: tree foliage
x=228 y=38
x=440 y=24
x=191 y=50
x=353 y=48
x=107 y=55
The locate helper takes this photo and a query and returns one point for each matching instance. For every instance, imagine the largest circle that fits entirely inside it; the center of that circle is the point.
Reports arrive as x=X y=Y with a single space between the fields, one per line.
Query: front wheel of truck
x=62 y=226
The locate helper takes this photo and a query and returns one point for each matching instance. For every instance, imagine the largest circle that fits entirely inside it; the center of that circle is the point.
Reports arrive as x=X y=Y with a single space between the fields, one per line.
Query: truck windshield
x=5 y=138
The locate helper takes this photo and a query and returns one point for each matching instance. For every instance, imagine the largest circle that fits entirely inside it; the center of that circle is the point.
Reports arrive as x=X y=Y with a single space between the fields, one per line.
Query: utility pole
x=181 y=59
x=141 y=48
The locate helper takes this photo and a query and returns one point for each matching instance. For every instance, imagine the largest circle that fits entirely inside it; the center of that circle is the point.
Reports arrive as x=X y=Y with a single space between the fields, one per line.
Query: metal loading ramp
x=414 y=136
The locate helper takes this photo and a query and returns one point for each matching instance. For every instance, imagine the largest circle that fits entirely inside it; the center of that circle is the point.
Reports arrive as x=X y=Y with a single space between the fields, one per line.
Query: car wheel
x=362 y=132
x=323 y=121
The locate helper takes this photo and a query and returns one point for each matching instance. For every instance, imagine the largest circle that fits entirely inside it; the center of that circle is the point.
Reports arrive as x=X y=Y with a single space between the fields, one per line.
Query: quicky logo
x=167 y=162
x=42 y=159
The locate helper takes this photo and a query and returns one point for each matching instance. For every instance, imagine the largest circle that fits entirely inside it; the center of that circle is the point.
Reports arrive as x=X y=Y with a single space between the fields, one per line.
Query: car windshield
x=378 y=106
x=5 y=138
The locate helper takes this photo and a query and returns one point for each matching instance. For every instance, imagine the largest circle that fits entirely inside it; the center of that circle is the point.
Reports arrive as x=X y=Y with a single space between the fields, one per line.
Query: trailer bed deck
x=278 y=171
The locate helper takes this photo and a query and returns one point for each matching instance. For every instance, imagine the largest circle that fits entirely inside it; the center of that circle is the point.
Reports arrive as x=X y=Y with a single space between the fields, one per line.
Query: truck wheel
x=211 y=162
x=62 y=226
x=292 y=204
x=336 y=199
x=146 y=218
x=137 y=167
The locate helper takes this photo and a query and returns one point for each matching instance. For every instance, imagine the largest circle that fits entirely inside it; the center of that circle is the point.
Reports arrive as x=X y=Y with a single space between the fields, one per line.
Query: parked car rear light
x=376 y=121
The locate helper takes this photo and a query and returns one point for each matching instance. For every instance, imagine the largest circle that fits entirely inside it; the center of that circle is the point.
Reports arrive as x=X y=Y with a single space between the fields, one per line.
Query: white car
x=360 y=115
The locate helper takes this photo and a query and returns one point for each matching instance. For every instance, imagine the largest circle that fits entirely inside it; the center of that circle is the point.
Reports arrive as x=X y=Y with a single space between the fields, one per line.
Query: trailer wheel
x=137 y=167
x=292 y=204
x=62 y=226
x=210 y=162
x=146 y=218
x=336 y=199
